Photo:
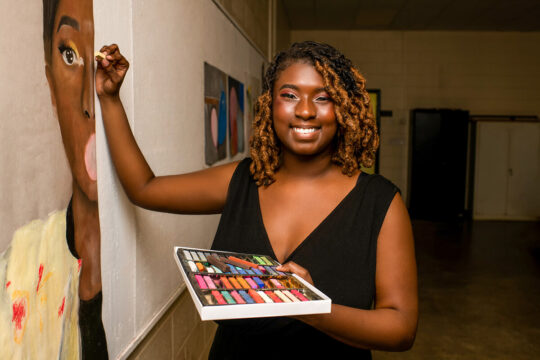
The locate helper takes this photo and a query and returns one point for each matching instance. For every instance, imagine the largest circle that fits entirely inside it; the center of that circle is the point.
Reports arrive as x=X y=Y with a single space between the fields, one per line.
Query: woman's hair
x=49 y=13
x=356 y=139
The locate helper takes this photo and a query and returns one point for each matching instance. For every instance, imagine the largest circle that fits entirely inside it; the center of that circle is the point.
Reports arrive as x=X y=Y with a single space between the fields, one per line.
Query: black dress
x=339 y=254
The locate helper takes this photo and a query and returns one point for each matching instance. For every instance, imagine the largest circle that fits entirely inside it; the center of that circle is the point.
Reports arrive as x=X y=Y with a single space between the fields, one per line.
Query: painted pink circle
x=214 y=125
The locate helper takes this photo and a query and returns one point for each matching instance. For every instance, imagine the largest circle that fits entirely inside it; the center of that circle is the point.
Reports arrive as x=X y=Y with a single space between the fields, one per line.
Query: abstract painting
x=215 y=114
x=236 y=116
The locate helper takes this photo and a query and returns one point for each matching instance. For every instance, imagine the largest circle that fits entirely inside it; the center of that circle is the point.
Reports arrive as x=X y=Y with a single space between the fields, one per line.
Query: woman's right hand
x=110 y=72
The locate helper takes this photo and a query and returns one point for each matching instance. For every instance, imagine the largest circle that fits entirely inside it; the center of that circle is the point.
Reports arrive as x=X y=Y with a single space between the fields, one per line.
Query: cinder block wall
x=490 y=73
x=180 y=334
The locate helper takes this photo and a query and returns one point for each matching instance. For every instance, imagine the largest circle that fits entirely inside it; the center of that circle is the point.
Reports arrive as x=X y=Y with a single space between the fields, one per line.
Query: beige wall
x=254 y=19
x=483 y=72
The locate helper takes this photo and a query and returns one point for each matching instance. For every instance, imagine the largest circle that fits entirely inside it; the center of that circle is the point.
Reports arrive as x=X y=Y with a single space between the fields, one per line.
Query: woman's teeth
x=304 y=130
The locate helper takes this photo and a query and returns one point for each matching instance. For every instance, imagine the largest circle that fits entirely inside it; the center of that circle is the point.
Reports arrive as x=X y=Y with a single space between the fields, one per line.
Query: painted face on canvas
x=71 y=80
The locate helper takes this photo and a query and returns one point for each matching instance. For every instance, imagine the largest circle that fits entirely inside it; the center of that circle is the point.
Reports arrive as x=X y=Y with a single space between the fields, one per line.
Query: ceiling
x=476 y=15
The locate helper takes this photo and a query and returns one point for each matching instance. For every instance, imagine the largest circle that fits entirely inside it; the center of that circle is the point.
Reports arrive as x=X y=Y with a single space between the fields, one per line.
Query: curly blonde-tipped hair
x=356 y=140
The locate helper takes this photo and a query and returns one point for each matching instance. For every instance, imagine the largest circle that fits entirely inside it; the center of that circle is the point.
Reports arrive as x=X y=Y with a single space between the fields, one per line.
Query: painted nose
x=88 y=89
x=305 y=109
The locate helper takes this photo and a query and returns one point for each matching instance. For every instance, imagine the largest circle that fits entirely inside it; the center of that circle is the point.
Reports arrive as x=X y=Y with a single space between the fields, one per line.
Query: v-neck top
x=339 y=253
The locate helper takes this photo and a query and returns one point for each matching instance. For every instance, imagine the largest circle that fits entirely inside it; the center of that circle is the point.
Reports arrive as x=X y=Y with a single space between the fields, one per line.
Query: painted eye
x=69 y=55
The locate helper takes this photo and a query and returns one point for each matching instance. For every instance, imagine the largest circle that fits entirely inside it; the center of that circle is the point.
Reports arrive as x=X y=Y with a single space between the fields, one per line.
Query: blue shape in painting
x=222 y=119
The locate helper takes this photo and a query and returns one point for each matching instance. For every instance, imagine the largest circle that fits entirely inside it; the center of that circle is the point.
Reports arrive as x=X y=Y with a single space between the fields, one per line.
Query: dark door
x=438 y=164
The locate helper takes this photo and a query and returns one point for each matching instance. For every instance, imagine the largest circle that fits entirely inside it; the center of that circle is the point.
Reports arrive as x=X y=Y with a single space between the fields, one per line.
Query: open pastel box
x=228 y=285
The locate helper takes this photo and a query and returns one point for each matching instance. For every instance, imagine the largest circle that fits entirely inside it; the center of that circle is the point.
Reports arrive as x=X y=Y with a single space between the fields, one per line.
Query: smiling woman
x=301 y=199
x=50 y=277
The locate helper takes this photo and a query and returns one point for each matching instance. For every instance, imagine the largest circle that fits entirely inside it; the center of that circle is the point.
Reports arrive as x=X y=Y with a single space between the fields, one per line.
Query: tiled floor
x=479 y=289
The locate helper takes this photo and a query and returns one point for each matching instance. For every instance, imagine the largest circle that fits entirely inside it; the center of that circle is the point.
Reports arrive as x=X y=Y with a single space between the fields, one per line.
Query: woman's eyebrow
x=288 y=86
x=66 y=20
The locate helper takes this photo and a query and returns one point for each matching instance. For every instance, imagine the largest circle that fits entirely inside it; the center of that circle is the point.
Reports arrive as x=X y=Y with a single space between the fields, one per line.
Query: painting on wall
x=50 y=272
x=236 y=116
x=215 y=114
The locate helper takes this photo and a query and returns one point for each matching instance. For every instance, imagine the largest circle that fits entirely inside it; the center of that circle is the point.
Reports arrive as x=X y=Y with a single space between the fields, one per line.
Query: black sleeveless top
x=339 y=254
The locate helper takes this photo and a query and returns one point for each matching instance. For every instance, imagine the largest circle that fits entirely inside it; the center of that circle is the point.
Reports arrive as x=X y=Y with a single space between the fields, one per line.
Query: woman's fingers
x=294 y=268
x=111 y=69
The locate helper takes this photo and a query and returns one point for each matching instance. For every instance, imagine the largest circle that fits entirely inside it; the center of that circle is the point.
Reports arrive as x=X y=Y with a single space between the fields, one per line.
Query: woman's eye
x=288 y=96
x=323 y=98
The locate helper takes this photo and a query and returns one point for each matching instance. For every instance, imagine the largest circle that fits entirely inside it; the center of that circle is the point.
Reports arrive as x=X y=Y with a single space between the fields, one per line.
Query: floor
x=479 y=291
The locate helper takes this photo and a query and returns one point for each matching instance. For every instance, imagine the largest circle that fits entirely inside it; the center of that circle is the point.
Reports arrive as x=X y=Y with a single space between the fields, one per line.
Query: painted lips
x=90 y=157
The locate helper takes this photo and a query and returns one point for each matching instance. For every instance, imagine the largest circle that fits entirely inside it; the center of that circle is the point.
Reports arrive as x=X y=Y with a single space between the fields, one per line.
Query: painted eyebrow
x=66 y=20
x=294 y=87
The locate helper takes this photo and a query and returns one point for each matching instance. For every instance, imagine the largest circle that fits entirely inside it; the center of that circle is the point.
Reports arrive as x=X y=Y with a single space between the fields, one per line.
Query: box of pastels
x=226 y=285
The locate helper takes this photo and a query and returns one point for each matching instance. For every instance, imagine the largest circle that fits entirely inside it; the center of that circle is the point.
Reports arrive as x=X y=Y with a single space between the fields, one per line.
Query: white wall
x=166 y=43
x=483 y=72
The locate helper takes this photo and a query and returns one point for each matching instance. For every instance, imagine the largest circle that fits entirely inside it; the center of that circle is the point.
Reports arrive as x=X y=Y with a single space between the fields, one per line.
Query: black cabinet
x=438 y=159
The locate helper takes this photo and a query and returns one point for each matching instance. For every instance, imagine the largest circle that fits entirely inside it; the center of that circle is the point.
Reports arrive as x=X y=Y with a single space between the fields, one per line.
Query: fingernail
x=109 y=57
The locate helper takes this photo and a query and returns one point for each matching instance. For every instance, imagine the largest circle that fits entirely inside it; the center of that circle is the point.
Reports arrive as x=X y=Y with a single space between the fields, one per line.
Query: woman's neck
x=313 y=166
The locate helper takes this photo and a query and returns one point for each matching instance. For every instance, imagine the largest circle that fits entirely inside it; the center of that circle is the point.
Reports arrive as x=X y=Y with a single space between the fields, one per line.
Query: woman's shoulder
x=378 y=181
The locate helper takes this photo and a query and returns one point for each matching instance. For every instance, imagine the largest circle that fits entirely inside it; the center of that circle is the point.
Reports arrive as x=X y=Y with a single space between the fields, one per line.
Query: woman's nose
x=305 y=109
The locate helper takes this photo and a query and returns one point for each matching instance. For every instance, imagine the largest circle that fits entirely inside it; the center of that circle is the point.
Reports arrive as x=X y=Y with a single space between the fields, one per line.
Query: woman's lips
x=90 y=157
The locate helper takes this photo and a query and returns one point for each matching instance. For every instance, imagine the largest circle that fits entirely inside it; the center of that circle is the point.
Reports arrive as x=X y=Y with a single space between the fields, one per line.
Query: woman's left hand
x=294 y=268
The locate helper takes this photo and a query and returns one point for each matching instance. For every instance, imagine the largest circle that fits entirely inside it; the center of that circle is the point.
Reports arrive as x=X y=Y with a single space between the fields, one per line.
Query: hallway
x=479 y=291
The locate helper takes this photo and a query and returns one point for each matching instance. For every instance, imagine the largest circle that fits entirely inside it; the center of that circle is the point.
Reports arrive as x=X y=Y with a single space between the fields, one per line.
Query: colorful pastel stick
x=259 y=260
x=267 y=262
x=299 y=295
x=277 y=283
x=251 y=283
x=279 y=272
x=247 y=263
x=209 y=269
x=233 y=262
x=273 y=296
x=282 y=296
x=249 y=271
x=257 y=271
x=228 y=298
x=255 y=296
x=209 y=299
x=194 y=255
x=200 y=266
x=232 y=269
x=218 y=271
x=201 y=256
x=209 y=282
x=243 y=282
x=192 y=266
x=235 y=283
x=201 y=282
x=270 y=270
x=241 y=271
x=187 y=255
x=237 y=297
x=259 y=282
x=246 y=297
x=214 y=260
x=290 y=296
x=264 y=297
x=226 y=283
x=219 y=298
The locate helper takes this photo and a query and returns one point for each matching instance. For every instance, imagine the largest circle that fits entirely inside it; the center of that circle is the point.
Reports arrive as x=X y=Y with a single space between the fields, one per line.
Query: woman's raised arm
x=200 y=192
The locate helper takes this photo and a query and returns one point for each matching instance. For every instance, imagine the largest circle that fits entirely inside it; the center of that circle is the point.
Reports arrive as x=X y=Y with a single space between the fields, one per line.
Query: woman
x=300 y=198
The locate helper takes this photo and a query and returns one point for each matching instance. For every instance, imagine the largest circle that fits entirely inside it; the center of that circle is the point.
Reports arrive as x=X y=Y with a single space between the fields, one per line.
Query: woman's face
x=303 y=112
x=71 y=80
